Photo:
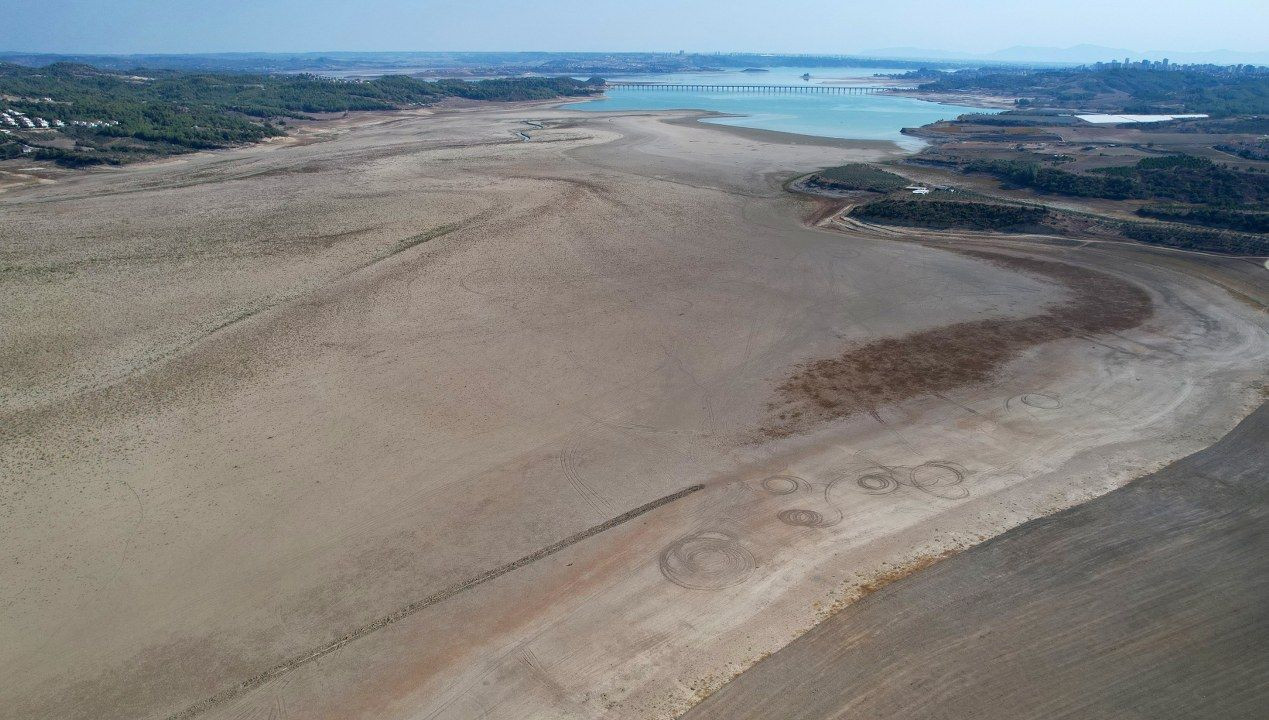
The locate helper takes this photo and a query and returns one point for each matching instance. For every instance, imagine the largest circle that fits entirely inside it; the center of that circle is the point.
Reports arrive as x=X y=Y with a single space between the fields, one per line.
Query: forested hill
x=77 y=114
x=1221 y=91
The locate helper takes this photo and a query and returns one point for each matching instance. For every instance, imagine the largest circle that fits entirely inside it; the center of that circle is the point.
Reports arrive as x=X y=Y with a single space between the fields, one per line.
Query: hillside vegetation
x=1182 y=178
x=949 y=214
x=1191 y=238
x=1255 y=221
x=857 y=176
x=112 y=117
x=1236 y=90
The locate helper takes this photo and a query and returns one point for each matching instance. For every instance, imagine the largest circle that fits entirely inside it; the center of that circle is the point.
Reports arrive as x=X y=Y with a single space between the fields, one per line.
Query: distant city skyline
x=972 y=27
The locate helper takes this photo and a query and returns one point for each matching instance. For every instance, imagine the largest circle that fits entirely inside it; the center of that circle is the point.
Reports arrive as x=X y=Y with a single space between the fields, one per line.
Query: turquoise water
x=854 y=117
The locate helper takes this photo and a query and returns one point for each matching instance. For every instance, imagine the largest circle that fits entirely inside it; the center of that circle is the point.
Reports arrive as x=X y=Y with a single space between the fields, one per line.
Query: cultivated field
x=412 y=418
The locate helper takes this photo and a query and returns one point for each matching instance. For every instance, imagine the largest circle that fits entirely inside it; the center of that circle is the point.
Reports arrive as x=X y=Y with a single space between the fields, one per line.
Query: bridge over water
x=825 y=89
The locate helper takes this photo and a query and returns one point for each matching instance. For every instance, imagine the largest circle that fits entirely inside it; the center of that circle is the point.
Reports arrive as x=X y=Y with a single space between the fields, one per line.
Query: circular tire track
x=939 y=478
x=1037 y=400
x=878 y=482
x=801 y=518
x=1041 y=401
x=708 y=560
x=783 y=484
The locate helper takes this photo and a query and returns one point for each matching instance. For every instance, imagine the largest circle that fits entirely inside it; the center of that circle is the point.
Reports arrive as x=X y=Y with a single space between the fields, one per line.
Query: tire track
x=568 y=465
x=530 y=661
x=246 y=686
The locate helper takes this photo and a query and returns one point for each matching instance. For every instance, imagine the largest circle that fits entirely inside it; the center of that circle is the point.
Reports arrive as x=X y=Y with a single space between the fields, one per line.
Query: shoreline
x=302 y=132
x=987 y=102
x=699 y=117
x=973 y=101
x=696 y=117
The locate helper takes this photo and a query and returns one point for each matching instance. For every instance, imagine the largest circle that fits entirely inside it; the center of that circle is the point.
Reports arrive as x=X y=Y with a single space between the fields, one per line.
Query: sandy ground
x=1145 y=603
x=415 y=419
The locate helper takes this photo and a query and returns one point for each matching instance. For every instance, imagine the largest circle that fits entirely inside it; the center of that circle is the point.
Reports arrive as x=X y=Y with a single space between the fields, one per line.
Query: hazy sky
x=830 y=26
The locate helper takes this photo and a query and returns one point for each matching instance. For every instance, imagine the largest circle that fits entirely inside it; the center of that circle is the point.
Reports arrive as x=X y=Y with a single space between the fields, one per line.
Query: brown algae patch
x=884 y=372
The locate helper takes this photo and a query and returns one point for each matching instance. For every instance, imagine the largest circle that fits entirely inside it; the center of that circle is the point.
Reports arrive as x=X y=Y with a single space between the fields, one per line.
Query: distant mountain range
x=449 y=64
x=1075 y=55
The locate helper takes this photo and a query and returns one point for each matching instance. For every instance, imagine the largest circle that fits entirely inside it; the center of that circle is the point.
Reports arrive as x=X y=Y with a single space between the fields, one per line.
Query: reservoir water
x=855 y=117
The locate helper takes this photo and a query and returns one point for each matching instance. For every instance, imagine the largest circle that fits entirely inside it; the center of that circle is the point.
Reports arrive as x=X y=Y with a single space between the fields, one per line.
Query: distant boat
x=806 y=76
x=755 y=70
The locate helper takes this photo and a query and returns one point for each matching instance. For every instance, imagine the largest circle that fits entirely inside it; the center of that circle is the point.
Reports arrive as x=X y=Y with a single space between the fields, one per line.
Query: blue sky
x=832 y=26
